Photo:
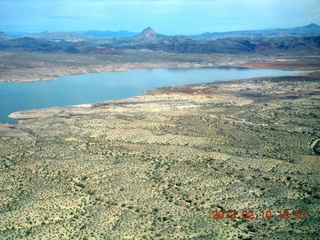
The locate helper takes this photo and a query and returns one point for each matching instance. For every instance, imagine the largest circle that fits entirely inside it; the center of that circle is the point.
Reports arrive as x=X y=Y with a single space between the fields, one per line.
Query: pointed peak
x=148 y=29
x=147 y=33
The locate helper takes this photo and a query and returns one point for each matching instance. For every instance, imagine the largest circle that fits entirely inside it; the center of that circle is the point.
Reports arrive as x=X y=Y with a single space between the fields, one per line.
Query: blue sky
x=164 y=16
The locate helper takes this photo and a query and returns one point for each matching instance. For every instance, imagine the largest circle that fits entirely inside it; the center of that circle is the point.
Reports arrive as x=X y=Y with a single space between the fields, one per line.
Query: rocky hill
x=148 y=34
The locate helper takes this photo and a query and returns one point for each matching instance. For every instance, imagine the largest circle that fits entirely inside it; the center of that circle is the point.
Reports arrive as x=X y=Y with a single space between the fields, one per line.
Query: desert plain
x=157 y=166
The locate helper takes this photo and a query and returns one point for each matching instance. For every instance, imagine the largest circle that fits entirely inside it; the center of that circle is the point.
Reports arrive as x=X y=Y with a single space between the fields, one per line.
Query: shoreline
x=164 y=66
x=75 y=66
x=15 y=115
x=17 y=67
x=237 y=87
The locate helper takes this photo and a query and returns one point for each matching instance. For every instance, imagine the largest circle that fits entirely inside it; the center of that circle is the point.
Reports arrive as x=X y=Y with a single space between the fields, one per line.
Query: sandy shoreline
x=17 y=66
x=21 y=116
x=130 y=67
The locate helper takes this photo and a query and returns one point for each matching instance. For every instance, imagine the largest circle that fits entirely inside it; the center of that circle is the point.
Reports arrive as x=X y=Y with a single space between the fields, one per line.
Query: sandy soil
x=157 y=166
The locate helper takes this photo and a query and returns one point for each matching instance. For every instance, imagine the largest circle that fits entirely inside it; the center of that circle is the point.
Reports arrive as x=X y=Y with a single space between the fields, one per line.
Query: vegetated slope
x=157 y=166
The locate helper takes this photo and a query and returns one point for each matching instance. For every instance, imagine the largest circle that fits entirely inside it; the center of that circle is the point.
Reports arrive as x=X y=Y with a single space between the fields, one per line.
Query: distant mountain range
x=310 y=30
x=73 y=35
x=304 y=40
x=95 y=33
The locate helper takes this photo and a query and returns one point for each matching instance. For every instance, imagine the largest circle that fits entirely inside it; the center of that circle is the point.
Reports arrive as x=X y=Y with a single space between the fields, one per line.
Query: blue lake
x=99 y=87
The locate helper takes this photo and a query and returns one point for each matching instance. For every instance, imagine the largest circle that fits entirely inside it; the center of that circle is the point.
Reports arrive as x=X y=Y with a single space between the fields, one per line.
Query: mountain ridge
x=301 y=40
x=121 y=33
x=309 y=30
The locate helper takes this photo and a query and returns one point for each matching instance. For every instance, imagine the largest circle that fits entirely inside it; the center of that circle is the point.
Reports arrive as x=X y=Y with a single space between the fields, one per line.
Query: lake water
x=99 y=87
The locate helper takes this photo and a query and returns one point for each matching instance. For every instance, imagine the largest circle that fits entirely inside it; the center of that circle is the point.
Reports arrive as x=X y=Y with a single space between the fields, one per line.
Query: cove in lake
x=99 y=87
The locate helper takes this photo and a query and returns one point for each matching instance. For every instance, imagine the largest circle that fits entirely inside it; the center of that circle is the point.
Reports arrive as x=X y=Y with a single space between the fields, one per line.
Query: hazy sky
x=164 y=16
